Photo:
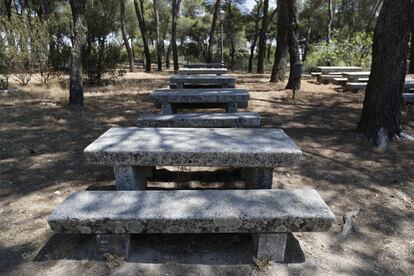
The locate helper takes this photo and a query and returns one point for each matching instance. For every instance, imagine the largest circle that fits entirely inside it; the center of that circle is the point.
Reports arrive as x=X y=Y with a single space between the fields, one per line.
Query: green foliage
x=353 y=51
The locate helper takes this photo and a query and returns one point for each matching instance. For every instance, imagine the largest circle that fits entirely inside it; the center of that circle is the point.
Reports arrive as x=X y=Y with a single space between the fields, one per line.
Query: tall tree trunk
x=256 y=35
x=373 y=15
x=125 y=36
x=167 y=56
x=411 y=68
x=294 y=77
x=175 y=11
x=262 y=39
x=280 y=64
x=139 y=10
x=158 y=43
x=381 y=114
x=209 y=57
x=330 y=22
x=308 y=38
x=79 y=39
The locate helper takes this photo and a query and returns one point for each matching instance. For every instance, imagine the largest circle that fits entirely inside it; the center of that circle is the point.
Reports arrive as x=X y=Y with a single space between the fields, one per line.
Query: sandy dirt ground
x=41 y=162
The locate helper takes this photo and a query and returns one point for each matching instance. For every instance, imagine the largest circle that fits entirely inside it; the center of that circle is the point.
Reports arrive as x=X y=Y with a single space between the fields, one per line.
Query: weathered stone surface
x=192 y=211
x=202 y=71
x=241 y=119
x=355 y=76
x=270 y=246
x=232 y=147
x=220 y=95
x=204 y=65
x=202 y=79
x=328 y=78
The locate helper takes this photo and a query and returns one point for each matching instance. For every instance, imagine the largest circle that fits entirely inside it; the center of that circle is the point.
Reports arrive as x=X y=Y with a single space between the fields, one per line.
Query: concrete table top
x=211 y=95
x=218 y=147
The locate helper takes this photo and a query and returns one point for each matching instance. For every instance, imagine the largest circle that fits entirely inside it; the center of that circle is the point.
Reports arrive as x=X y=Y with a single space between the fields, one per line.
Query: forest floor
x=41 y=162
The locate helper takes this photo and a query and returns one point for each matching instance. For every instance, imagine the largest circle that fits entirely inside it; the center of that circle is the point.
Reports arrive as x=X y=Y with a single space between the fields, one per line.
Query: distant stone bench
x=181 y=81
x=316 y=74
x=340 y=81
x=135 y=152
x=267 y=214
x=356 y=76
x=330 y=69
x=204 y=65
x=240 y=119
x=328 y=78
x=356 y=86
x=171 y=99
x=202 y=71
x=408 y=98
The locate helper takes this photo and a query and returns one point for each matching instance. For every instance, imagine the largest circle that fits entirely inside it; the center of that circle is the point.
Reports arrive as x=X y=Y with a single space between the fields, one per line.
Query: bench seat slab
x=192 y=211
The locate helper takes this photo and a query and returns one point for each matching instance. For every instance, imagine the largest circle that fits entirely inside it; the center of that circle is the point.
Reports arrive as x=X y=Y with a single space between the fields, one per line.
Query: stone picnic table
x=326 y=70
x=204 y=65
x=202 y=71
x=171 y=99
x=180 y=81
x=355 y=76
x=135 y=152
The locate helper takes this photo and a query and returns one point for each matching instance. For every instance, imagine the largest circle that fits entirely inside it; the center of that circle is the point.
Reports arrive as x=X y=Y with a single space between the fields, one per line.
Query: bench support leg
x=179 y=85
x=270 y=246
x=258 y=178
x=131 y=178
x=231 y=108
x=114 y=244
x=167 y=109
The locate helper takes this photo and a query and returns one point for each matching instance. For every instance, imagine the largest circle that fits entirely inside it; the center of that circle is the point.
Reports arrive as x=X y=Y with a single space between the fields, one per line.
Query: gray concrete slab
x=202 y=71
x=192 y=211
x=180 y=80
x=240 y=119
x=212 y=95
x=220 y=147
x=204 y=65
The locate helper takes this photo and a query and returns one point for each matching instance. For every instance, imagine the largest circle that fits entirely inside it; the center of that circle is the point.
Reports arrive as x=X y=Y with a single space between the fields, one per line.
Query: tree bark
x=330 y=22
x=139 y=10
x=381 y=114
x=125 y=36
x=373 y=15
x=256 y=35
x=280 y=64
x=209 y=57
x=262 y=39
x=411 y=67
x=175 y=11
x=158 y=43
x=79 y=40
x=294 y=78
x=308 y=38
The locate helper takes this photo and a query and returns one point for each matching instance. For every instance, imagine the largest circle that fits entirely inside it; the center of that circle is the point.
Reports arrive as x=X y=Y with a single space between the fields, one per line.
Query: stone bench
x=316 y=74
x=328 y=78
x=355 y=86
x=330 y=69
x=240 y=119
x=134 y=152
x=267 y=214
x=202 y=71
x=356 y=76
x=204 y=65
x=171 y=99
x=181 y=81
x=408 y=98
x=340 y=81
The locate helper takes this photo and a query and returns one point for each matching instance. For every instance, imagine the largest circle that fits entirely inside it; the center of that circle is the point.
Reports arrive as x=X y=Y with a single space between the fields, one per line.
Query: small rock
x=57 y=193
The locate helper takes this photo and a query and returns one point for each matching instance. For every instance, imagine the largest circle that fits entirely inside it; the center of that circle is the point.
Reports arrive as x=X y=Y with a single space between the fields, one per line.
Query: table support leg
x=131 y=178
x=114 y=244
x=258 y=178
x=231 y=108
x=167 y=109
x=270 y=246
